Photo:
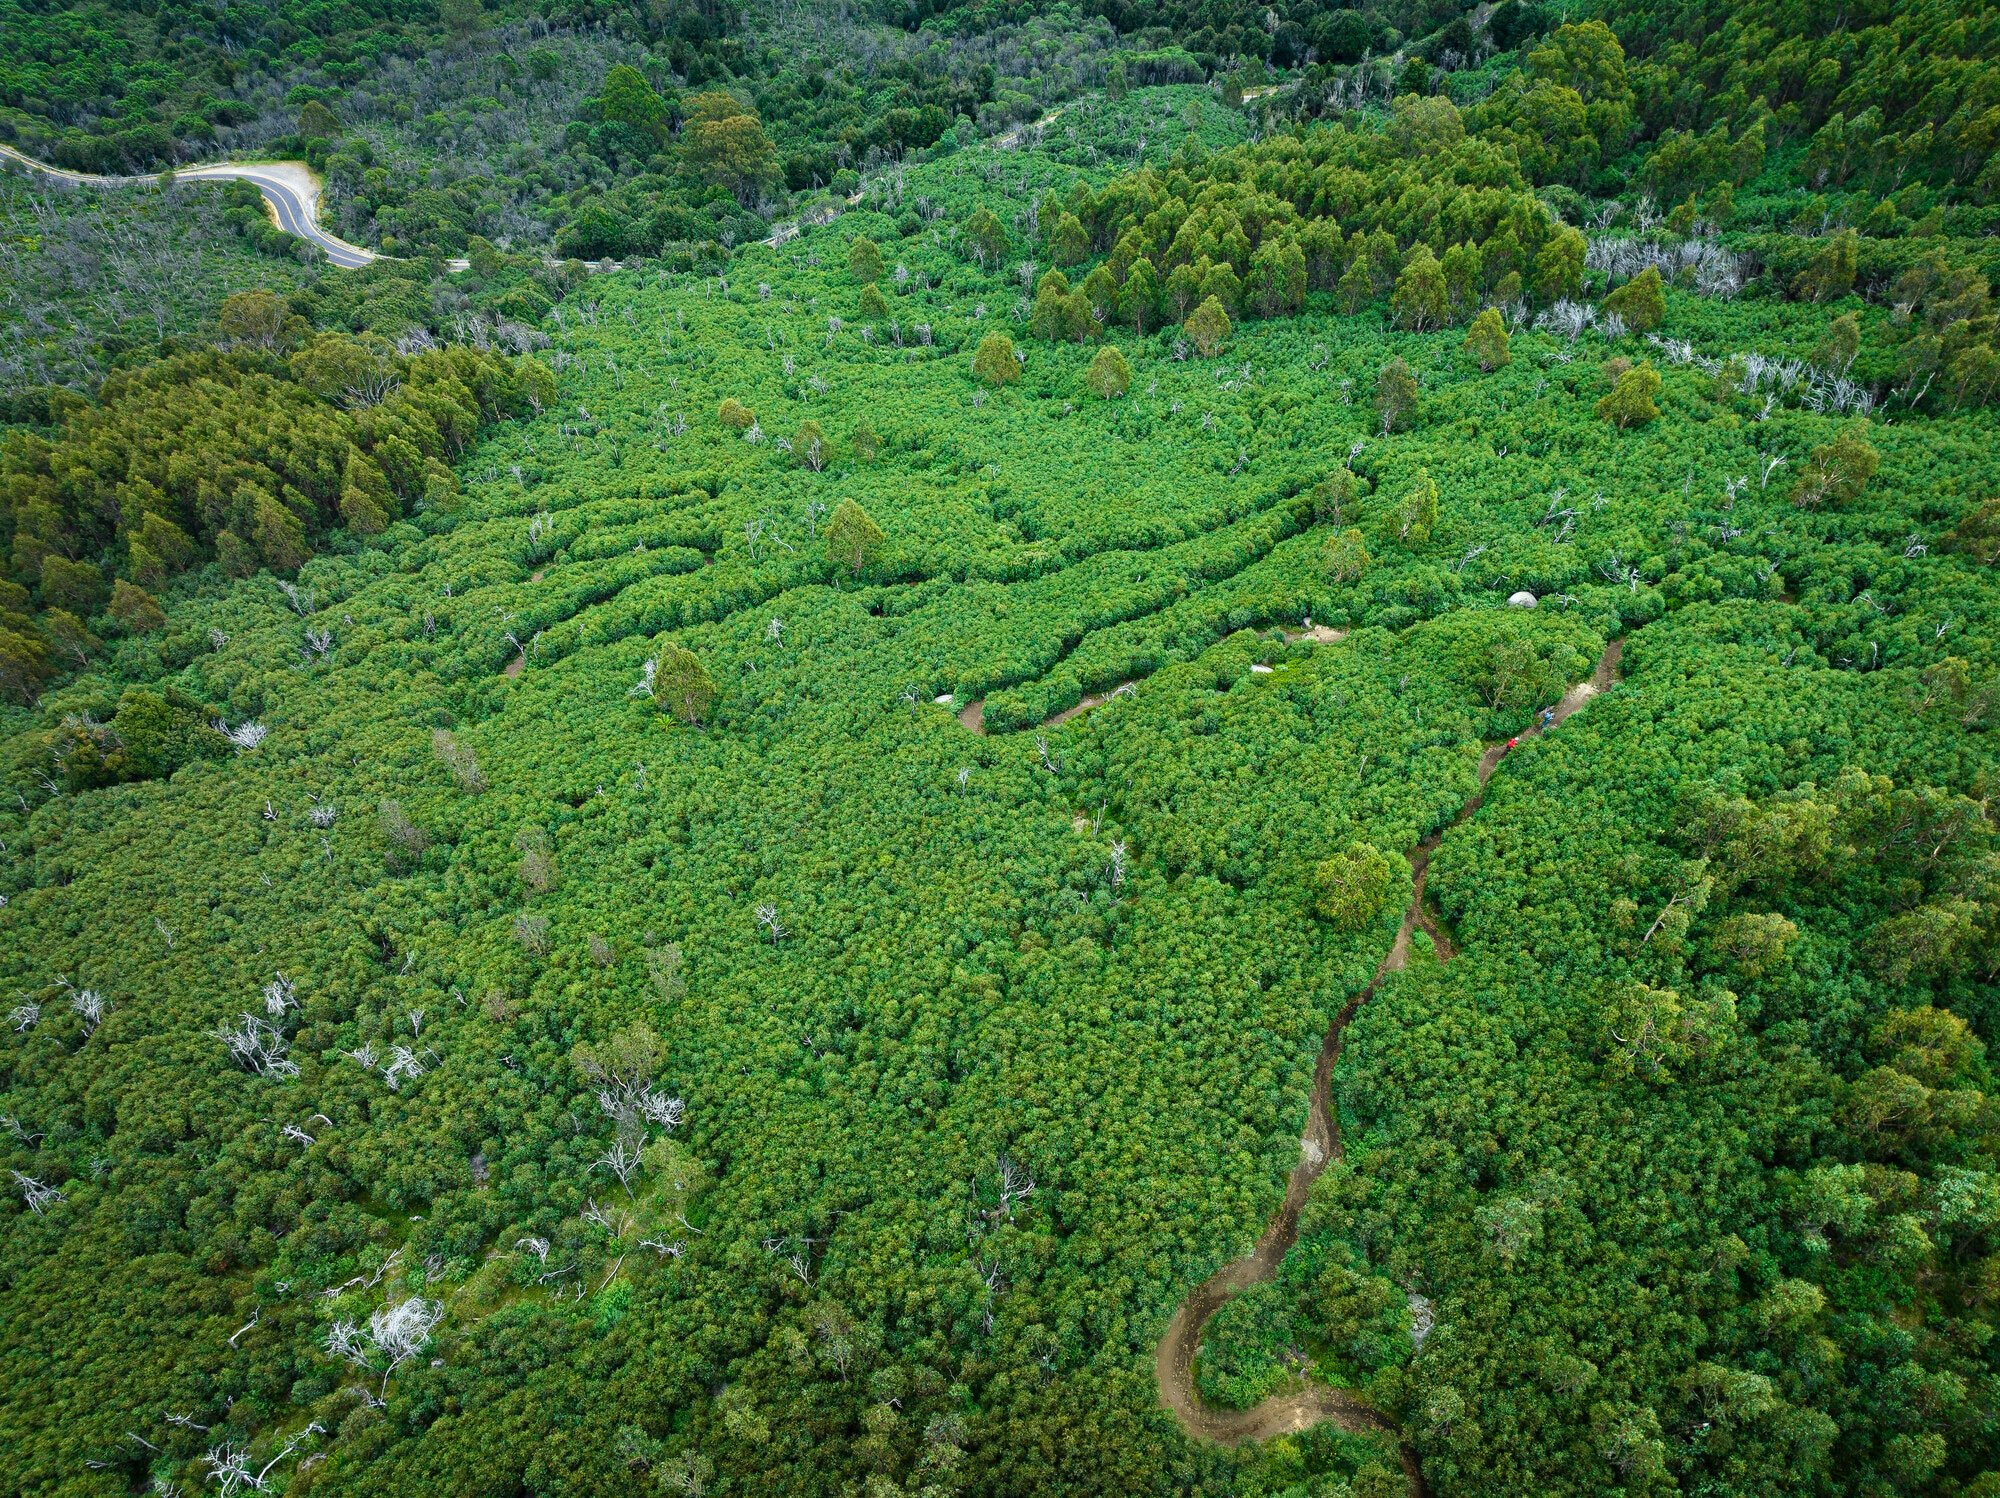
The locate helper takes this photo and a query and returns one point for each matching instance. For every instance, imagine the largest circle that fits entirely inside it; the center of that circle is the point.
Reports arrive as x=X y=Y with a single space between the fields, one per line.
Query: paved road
x=289 y=187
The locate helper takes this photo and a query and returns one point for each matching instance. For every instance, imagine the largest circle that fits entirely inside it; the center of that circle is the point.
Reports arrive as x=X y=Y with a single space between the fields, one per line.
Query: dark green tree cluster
x=1421 y=214
x=243 y=456
x=1886 y=95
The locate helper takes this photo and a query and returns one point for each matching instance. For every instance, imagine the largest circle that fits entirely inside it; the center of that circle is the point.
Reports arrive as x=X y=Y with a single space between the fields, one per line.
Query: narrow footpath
x=1283 y=1414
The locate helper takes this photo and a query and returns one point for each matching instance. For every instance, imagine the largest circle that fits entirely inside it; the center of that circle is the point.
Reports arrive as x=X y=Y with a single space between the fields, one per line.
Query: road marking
x=296 y=210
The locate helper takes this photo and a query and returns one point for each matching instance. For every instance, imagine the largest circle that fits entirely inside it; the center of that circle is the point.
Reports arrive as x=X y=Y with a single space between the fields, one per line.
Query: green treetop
x=1641 y=301
x=995 y=362
x=1110 y=375
x=1208 y=328
x=1487 y=341
x=1630 y=402
x=681 y=683
x=864 y=260
x=852 y=538
x=1353 y=886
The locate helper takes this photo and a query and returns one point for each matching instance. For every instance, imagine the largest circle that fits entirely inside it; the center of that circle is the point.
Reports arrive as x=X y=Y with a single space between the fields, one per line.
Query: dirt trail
x=1283 y=1414
x=1003 y=142
x=1012 y=138
x=1087 y=702
x=973 y=714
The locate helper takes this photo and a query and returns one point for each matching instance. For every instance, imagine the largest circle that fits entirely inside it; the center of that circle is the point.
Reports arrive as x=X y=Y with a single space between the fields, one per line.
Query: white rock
x=1521 y=600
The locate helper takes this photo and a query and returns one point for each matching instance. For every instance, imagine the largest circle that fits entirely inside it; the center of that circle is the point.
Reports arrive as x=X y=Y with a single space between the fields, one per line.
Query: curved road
x=1283 y=1414
x=289 y=187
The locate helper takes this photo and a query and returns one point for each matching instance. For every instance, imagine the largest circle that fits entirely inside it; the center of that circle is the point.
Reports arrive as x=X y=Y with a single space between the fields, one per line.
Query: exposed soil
x=1012 y=138
x=1089 y=700
x=1324 y=634
x=513 y=667
x=1173 y=1363
x=973 y=714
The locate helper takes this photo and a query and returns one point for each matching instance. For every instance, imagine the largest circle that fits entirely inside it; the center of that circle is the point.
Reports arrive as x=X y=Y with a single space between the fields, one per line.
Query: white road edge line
x=290 y=188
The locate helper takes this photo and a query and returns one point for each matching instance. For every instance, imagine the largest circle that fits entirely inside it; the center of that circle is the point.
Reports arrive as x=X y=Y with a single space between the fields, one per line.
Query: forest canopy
x=1148 y=749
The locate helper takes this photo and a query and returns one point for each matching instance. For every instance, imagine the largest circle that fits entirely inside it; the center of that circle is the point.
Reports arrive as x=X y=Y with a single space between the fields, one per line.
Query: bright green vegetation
x=1252 y=1348
x=738 y=888
x=1330 y=1315
x=1752 y=984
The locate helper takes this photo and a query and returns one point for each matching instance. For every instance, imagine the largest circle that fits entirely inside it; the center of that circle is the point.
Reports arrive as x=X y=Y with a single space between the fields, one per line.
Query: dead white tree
x=38 y=1196
x=245 y=736
x=280 y=995
x=796 y=1254
x=230 y=1466
x=404 y=1062
x=622 y=1160
x=258 y=1046
x=617 y=1221
x=995 y=1280
x=1016 y=1184
x=88 y=1003
x=667 y=1112
x=395 y=1333
x=1423 y=1317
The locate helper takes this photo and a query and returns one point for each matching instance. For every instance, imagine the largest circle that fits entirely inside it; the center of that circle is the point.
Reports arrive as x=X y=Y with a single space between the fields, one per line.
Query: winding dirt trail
x=1283 y=1414
x=1088 y=701
x=973 y=714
